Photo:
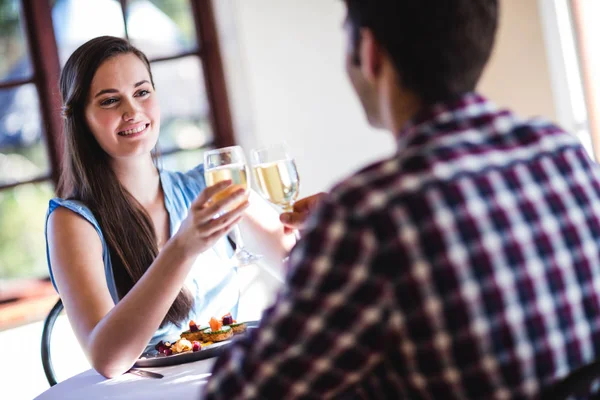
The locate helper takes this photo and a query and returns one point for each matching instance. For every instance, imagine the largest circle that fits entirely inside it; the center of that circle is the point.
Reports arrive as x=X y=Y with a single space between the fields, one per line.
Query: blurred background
x=248 y=72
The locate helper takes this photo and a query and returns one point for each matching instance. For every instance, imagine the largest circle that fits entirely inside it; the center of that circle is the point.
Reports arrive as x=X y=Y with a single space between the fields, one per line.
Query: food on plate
x=227 y=319
x=181 y=346
x=193 y=327
x=237 y=328
x=215 y=324
x=194 y=333
x=196 y=346
x=196 y=338
x=223 y=333
x=164 y=348
x=217 y=331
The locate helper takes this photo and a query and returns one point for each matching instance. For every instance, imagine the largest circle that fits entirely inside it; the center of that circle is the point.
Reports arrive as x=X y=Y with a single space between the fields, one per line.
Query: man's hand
x=303 y=208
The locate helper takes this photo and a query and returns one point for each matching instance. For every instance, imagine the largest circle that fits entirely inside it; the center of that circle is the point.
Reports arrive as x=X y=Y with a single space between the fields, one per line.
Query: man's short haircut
x=439 y=47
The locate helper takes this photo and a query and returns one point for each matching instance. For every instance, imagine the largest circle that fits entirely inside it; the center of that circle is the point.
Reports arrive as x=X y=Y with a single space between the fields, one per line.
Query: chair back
x=577 y=383
x=46 y=336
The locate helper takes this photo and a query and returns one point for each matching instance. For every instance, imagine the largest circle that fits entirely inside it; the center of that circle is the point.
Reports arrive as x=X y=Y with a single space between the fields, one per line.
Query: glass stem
x=239 y=242
x=243 y=256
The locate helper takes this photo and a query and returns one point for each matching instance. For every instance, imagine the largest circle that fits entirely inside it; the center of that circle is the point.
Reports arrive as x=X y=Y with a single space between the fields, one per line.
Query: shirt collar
x=468 y=105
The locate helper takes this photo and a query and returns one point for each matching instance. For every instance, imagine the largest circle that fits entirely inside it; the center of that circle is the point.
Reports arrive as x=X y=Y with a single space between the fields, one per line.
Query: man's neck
x=397 y=106
x=400 y=114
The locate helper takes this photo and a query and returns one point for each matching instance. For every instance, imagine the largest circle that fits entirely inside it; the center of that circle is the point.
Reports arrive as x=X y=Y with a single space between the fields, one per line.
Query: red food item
x=168 y=351
x=161 y=349
x=215 y=324
x=196 y=345
x=157 y=345
x=193 y=327
x=227 y=320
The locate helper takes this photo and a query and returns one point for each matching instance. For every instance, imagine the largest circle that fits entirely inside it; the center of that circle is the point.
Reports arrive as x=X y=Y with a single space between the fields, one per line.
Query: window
x=584 y=16
x=36 y=38
x=569 y=29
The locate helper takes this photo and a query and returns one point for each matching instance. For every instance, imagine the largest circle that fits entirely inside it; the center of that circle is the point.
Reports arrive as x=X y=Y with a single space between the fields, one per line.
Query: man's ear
x=371 y=55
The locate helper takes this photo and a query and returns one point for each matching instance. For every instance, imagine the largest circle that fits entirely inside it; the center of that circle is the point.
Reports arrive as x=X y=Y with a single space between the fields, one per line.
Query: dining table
x=181 y=382
x=258 y=287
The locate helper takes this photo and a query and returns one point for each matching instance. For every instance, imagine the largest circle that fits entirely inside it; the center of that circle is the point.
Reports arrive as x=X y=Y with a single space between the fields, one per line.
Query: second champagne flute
x=276 y=176
x=229 y=163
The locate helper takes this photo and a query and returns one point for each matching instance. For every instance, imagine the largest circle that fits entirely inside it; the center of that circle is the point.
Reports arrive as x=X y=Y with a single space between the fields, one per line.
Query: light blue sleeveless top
x=212 y=280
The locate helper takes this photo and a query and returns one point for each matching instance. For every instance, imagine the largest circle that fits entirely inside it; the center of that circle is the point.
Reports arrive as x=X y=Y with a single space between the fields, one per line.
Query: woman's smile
x=123 y=111
x=134 y=131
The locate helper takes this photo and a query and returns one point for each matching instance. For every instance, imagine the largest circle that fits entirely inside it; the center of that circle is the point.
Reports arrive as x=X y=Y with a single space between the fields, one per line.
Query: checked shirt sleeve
x=327 y=329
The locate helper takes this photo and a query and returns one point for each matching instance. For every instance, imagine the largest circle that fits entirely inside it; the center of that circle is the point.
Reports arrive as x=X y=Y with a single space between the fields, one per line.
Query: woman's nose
x=130 y=111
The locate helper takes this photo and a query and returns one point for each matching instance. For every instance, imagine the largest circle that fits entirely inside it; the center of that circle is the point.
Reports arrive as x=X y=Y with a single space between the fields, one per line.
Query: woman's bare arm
x=114 y=336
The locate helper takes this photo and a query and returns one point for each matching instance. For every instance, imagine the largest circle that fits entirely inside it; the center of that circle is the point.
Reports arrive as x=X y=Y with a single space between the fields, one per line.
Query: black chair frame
x=46 y=336
x=577 y=383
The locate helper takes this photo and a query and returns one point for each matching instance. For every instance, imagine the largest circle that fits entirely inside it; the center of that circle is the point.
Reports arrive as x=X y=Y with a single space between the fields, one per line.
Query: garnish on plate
x=196 y=337
x=182 y=346
x=222 y=333
x=237 y=328
x=164 y=348
x=194 y=333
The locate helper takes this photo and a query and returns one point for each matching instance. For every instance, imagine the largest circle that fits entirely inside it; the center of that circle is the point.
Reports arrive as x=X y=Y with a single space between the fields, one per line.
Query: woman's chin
x=141 y=148
x=135 y=153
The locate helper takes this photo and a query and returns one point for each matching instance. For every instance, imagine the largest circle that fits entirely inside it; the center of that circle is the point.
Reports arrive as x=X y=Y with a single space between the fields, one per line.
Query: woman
x=135 y=252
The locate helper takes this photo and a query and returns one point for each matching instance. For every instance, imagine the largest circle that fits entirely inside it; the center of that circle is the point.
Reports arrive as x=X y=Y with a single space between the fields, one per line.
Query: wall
x=288 y=74
x=518 y=72
x=285 y=67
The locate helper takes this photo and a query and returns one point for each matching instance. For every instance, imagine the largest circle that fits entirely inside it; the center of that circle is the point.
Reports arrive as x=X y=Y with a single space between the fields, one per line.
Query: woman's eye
x=108 y=102
x=143 y=93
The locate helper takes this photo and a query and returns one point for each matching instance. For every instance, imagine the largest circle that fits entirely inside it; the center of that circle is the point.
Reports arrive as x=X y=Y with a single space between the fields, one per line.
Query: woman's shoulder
x=71 y=225
x=74 y=205
x=184 y=184
x=195 y=174
x=69 y=209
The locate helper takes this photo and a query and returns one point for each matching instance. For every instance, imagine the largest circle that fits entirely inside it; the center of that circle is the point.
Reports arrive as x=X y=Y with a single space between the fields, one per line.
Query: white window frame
x=565 y=70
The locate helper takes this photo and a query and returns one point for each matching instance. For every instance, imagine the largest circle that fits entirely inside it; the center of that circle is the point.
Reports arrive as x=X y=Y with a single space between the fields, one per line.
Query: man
x=467 y=266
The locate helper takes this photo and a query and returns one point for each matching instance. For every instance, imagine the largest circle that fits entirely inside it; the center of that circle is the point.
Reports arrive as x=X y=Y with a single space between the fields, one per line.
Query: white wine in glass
x=278 y=182
x=229 y=163
x=238 y=174
x=276 y=175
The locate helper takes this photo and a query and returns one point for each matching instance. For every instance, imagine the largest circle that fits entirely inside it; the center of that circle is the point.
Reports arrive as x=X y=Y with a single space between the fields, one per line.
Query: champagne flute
x=229 y=163
x=276 y=176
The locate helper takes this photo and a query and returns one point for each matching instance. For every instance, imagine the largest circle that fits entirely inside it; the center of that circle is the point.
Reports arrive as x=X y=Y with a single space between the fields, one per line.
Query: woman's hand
x=303 y=208
x=201 y=230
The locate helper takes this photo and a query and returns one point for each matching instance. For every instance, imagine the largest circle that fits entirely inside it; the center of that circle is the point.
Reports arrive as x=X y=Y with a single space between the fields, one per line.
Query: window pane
x=161 y=28
x=77 y=21
x=14 y=60
x=22 y=221
x=183 y=103
x=183 y=160
x=22 y=150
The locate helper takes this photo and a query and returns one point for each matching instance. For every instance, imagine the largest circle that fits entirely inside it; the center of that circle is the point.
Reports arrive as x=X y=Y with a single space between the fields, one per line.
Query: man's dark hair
x=439 y=47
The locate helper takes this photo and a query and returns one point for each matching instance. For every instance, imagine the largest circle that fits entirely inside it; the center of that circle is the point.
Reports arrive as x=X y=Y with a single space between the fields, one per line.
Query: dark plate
x=213 y=350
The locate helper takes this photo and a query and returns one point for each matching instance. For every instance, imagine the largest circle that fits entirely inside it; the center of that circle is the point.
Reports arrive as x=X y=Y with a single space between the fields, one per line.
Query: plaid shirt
x=465 y=267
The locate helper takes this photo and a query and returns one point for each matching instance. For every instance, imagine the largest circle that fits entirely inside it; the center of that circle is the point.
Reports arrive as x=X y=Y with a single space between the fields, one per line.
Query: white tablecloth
x=181 y=382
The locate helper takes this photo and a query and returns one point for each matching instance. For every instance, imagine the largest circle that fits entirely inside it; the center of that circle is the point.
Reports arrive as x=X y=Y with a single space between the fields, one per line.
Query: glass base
x=243 y=257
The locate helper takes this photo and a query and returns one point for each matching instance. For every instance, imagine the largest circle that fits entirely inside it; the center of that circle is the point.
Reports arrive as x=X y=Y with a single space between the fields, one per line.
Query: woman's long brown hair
x=87 y=176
